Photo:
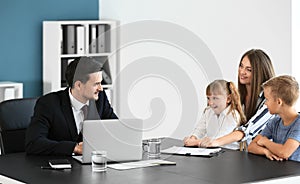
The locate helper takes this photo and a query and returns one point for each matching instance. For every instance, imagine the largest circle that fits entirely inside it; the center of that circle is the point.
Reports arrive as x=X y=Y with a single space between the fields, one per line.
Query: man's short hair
x=80 y=68
x=285 y=87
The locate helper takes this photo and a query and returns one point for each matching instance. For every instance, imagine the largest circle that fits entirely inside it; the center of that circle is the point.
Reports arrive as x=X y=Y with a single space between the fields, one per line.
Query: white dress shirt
x=77 y=112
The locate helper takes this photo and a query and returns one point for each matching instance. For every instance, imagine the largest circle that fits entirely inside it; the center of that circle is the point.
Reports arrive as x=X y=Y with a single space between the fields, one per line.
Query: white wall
x=296 y=42
x=171 y=49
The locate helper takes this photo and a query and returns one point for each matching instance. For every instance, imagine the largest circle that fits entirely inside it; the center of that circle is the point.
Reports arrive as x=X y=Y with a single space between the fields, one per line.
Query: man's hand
x=78 y=148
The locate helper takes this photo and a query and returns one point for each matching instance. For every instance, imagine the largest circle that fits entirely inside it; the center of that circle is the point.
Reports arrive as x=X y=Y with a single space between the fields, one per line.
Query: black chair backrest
x=15 y=116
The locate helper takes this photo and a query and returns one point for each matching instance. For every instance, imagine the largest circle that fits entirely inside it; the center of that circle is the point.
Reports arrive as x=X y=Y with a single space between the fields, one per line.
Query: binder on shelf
x=80 y=39
x=100 y=60
x=64 y=64
x=93 y=39
x=101 y=38
x=106 y=77
x=69 y=39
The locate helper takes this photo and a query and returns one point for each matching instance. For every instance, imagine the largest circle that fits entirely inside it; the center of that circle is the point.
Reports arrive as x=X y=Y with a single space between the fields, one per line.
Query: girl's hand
x=190 y=141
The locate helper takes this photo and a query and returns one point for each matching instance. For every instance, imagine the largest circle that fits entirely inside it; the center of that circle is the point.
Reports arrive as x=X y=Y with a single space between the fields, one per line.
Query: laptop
x=121 y=139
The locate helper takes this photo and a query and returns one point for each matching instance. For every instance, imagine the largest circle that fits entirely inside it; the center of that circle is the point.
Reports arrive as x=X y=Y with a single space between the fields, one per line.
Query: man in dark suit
x=55 y=127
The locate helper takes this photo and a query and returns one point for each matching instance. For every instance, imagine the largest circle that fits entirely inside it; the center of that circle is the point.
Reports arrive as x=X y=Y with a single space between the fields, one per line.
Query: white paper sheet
x=139 y=164
x=7 y=180
x=289 y=180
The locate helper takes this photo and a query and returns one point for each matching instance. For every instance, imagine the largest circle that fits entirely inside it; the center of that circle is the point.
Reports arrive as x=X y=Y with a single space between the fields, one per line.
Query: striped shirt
x=257 y=123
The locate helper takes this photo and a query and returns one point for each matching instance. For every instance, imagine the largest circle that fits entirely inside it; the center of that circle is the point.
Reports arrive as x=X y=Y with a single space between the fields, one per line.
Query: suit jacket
x=53 y=131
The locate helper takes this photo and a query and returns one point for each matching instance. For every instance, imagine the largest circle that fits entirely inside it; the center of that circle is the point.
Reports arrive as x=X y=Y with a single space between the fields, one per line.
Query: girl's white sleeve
x=200 y=129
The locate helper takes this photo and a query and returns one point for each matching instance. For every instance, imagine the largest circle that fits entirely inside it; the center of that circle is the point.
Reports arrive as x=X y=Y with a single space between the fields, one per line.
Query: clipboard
x=188 y=151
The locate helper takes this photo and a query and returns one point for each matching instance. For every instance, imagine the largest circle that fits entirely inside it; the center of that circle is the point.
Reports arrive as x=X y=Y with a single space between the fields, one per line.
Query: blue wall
x=21 y=36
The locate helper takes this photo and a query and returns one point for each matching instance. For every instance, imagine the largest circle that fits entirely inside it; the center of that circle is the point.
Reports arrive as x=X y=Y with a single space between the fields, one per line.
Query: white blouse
x=213 y=126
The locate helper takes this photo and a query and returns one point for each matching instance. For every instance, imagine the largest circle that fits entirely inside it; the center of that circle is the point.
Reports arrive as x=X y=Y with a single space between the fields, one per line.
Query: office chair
x=15 y=116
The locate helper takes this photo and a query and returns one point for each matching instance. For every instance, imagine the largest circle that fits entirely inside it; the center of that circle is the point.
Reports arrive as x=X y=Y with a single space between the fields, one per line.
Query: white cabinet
x=10 y=90
x=63 y=41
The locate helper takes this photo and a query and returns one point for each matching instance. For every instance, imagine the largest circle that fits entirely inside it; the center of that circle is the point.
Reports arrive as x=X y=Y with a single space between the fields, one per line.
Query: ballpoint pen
x=51 y=168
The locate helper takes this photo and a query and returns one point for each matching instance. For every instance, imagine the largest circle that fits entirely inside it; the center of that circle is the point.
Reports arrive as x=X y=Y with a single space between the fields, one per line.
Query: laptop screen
x=121 y=139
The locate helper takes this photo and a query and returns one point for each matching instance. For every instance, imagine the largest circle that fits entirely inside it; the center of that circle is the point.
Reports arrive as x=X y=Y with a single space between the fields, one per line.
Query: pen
x=51 y=168
x=165 y=163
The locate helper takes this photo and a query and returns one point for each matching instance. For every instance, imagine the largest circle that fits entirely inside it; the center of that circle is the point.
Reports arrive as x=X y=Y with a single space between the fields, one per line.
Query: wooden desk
x=228 y=167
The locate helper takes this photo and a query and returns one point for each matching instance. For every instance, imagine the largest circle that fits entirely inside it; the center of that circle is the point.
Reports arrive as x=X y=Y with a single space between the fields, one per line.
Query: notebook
x=121 y=139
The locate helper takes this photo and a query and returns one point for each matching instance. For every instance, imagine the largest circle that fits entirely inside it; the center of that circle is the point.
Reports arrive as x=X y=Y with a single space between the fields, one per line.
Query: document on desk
x=140 y=164
x=287 y=179
x=7 y=180
x=205 y=152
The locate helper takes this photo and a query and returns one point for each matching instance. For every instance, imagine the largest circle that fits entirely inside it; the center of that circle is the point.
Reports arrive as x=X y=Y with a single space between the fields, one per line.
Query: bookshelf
x=63 y=41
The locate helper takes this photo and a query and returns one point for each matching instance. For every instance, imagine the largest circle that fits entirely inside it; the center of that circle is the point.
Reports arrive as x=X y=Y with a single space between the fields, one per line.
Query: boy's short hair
x=79 y=70
x=285 y=87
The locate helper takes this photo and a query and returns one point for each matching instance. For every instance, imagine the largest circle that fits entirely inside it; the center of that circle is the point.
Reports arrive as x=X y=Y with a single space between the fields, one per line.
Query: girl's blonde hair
x=223 y=87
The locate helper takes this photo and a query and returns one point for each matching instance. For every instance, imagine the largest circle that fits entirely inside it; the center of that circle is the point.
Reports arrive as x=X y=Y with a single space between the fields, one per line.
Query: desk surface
x=228 y=167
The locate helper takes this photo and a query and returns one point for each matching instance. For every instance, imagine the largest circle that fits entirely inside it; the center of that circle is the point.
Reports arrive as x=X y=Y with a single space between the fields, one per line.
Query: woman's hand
x=205 y=142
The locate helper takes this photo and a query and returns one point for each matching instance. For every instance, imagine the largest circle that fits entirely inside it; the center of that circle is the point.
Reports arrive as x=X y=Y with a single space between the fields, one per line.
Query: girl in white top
x=221 y=116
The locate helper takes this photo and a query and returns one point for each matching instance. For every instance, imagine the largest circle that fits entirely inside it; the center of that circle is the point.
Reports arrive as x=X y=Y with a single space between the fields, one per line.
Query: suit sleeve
x=39 y=135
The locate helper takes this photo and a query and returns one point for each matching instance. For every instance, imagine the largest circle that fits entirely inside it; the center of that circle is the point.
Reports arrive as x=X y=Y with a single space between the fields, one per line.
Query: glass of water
x=154 y=148
x=99 y=161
